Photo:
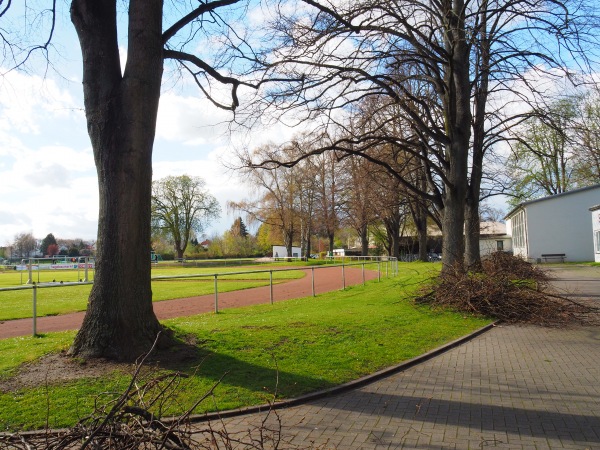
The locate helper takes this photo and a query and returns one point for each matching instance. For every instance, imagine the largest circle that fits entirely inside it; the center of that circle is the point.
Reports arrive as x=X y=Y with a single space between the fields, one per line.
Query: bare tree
x=24 y=245
x=277 y=203
x=359 y=193
x=587 y=131
x=438 y=66
x=182 y=208
x=328 y=190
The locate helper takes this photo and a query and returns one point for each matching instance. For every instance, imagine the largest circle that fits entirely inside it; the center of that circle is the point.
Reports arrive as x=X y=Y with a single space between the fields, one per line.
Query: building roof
x=492 y=229
x=595 y=208
x=485 y=229
x=550 y=197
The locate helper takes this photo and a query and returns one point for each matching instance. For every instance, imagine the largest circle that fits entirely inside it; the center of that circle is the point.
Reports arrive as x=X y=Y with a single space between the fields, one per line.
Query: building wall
x=561 y=224
x=279 y=251
x=489 y=245
x=596 y=234
x=516 y=227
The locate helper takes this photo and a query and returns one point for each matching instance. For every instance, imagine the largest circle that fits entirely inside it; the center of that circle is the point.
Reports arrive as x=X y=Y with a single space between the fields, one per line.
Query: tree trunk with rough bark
x=457 y=106
x=364 y=241
x=121 y=115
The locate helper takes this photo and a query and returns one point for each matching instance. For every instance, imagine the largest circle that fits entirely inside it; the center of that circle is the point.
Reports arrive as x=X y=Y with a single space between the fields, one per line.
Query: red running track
x=326 y=280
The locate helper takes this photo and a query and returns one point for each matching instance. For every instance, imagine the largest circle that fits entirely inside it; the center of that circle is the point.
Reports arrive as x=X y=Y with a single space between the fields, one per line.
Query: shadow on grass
x=197 y=361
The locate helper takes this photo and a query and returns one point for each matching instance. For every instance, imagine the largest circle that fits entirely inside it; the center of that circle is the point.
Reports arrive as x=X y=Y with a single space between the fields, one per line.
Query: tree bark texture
x=458 y=126
x=121 y=113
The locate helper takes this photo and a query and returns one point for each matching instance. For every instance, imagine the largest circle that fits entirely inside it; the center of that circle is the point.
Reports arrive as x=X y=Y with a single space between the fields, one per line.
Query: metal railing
x=391 y=269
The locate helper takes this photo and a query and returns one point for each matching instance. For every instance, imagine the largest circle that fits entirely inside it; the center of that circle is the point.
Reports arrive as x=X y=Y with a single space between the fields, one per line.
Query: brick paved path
x=514 y=387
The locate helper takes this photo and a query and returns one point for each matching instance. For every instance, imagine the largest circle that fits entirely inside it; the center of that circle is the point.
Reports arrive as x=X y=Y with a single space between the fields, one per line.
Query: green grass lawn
x=66 y=299
x=291 y=347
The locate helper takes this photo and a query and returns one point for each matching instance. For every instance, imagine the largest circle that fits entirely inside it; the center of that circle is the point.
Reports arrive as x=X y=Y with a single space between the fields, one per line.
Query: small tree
x=24 y=245
x=47 y=242
x=52 y=250
x=238 y=228
x=181 y=207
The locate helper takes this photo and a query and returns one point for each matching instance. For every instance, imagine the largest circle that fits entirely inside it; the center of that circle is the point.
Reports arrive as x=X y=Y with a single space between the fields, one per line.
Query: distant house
x=554 y=228
x=596 y=231
x=493 y=238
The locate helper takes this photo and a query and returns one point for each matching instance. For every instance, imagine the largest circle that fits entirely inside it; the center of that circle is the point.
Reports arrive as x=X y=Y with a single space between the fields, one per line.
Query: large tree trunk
x=392 y=227
x=121 y=115
x=364 y=241
x=472 y=218
x=472 y=226
x=458 y=123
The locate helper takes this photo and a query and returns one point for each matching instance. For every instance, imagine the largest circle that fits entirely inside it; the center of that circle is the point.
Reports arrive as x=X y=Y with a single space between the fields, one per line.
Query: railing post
x=216 y=295
x=379 y=270
x=363 y=273
x=271 y=286
x=86 y=262
x=343 y=275
x=313 y=282
x=34 y=309
x=30 y=280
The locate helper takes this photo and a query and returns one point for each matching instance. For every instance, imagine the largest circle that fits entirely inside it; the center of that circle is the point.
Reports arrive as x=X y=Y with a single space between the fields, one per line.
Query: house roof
x=595 y=208
x=549 y=197
x=485 y=229
x=492 y=229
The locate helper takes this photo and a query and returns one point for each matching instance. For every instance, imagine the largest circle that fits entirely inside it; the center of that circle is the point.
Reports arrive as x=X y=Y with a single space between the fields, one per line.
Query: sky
x=47 y=175
x=48 y=179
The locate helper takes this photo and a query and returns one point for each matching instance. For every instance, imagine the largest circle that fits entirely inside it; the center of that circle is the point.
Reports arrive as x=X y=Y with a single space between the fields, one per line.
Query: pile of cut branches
x=508 y=289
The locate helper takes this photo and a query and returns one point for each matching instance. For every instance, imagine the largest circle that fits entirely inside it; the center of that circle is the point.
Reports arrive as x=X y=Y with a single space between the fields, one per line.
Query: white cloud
x=27 y=101
x=190 y=120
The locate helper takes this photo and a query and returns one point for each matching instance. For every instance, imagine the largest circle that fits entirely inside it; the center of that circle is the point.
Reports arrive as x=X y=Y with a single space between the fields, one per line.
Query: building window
x=518 y=230
x=499 y=246
x=597 y=240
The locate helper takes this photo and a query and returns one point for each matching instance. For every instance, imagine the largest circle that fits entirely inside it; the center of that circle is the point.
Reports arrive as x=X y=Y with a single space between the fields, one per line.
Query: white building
x=280 y=251
x=596 y=231
x=493 y=238
x=554 y=228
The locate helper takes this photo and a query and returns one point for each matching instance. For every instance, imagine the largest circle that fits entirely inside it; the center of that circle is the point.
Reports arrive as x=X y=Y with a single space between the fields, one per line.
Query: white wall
x=561 y=224
x=595 y=229
x=489 y=244
x=279 y=251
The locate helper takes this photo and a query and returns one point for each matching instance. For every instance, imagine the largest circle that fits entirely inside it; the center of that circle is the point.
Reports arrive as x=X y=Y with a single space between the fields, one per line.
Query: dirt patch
x=58 y=368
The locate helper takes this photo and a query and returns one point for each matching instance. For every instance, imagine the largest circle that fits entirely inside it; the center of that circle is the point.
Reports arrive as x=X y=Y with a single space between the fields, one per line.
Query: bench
x=554 y=256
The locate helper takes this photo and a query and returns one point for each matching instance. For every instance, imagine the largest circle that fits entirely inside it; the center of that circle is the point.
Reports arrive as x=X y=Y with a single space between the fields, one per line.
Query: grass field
x=291 y=347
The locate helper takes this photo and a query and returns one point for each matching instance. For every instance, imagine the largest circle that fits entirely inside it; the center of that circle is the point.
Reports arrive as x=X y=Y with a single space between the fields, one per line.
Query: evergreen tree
x=239 y=228
x=47 y=242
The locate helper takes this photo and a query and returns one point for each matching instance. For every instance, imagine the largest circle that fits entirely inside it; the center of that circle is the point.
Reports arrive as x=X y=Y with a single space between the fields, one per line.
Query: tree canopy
x=182 y=208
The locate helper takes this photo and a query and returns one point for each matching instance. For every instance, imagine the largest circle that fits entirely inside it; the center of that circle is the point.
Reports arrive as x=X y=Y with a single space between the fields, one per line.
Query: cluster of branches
x=557 y=151
x=327 y=190
x=509 y=289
